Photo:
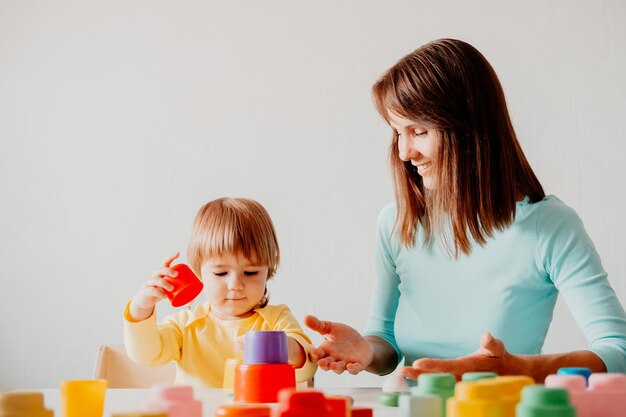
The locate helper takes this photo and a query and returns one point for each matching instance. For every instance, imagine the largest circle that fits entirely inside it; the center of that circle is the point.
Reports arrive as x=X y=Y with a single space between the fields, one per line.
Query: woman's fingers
x=442 y=365
x=320 y=326
x=354 y=368
x=338 y=367
x=317 y=352
x=324 y=363
x=409 y=372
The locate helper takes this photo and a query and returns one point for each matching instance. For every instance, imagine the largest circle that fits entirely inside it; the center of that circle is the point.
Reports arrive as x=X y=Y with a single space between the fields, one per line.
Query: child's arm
x=298 y=343
x=142 y=304
x=146 y=343
x=297 y=355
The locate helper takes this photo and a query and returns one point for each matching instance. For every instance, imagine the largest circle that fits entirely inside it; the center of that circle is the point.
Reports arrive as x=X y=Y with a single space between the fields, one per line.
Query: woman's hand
x=491 y=356
x=142 y=304
x=343 y=348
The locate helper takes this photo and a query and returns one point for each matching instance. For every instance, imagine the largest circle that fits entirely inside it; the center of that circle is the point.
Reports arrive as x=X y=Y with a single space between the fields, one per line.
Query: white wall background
x=118 y=119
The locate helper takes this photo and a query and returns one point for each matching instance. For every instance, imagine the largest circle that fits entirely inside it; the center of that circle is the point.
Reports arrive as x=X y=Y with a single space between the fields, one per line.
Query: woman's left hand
x=491 y=356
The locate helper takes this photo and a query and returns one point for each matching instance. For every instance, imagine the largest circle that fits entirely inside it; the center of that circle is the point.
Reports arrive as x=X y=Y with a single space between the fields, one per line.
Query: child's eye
x=250 y=273
x=220 y=274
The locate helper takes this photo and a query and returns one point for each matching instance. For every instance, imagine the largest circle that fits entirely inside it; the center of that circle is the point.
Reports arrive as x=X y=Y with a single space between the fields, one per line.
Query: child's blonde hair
x=233 y=226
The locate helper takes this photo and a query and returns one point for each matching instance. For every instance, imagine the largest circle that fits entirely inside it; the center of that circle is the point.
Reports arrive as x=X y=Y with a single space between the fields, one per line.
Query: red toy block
x=308 y=403
x=339 y=406
x=362 y=412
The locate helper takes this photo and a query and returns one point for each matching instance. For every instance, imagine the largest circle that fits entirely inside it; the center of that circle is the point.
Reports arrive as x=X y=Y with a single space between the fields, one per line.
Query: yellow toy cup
x=83 y=398
x=229 y=374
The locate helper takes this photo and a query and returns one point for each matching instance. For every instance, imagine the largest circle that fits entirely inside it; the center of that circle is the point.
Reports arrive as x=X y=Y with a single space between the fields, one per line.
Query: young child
x=233 y=249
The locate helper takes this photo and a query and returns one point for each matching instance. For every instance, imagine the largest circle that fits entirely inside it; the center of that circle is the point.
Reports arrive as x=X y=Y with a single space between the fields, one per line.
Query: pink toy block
x=177 y=401
x=604 y=397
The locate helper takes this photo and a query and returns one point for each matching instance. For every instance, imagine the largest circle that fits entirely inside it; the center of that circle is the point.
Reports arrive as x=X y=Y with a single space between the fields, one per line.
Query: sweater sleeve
x=288 y=323
x=386 y=294
x=150 y=344
x=570 y=259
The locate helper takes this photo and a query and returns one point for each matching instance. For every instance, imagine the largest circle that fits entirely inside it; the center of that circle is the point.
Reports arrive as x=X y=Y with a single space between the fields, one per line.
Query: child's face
x=235 y=285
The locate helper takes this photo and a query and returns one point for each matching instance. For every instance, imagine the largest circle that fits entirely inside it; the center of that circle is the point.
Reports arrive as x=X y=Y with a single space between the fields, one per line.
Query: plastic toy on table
x=265 y=369
x=23 y=404
x=393 y=387
x=604 y=397
x=176 y=401
x=542 y=401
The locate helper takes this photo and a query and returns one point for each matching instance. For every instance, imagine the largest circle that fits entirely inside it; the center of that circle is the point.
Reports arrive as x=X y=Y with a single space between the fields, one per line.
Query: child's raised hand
x=152 y=291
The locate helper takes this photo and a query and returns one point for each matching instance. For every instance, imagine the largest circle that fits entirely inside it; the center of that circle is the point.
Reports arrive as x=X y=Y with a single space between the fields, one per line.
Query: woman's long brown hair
x=481 y=169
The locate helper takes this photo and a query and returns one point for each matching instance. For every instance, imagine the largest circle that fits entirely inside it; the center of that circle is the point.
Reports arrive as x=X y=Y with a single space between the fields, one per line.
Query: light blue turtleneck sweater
x=426 y=304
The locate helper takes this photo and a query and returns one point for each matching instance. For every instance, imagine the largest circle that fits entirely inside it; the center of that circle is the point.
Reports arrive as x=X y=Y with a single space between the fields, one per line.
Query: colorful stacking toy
x=476 y=376
x=176 y=401
x=265 y=369
x=541 y=401
x=604 y=397
x=475 y=399
x=420 y=405
x=439 y=384
x=311 y=403
x=229 y=374
x=23 y=404
x=307 y=403
x=83 y=397
x=392 y=388
x=585 y=372
x=510 y=389
x=187 y=286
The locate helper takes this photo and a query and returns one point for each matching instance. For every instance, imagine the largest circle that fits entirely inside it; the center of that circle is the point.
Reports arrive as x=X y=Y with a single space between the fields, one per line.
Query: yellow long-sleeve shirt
x=200 y=343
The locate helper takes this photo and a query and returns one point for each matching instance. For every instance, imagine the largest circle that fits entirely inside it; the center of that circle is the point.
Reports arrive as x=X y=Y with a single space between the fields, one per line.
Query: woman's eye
x=420 y=132
x=220 y=274
x=250 y=273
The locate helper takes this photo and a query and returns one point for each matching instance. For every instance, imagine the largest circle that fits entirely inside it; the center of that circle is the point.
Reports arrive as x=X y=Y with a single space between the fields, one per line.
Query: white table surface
x=134 y=400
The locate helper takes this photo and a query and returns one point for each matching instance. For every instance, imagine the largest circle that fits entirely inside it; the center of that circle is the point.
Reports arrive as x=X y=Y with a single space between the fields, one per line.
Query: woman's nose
x=406 y=151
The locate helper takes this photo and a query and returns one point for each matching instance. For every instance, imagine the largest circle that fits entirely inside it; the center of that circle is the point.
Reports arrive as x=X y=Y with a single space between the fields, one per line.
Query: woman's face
x=418 y=144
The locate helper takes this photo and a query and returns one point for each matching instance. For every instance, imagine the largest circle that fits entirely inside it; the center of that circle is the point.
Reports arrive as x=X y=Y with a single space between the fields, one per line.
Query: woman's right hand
x=142 y=304
x=343 y=348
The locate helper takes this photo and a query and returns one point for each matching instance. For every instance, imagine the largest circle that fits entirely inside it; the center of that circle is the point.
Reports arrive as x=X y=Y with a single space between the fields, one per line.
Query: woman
x=472 y=243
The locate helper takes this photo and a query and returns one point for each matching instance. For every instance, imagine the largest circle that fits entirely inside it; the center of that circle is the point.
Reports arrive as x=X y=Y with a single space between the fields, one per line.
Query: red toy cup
x=260 y=383
x=187 y=286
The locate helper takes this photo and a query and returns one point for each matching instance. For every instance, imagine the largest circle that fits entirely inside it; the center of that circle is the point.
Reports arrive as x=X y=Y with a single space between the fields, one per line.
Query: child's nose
x=235 y=283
